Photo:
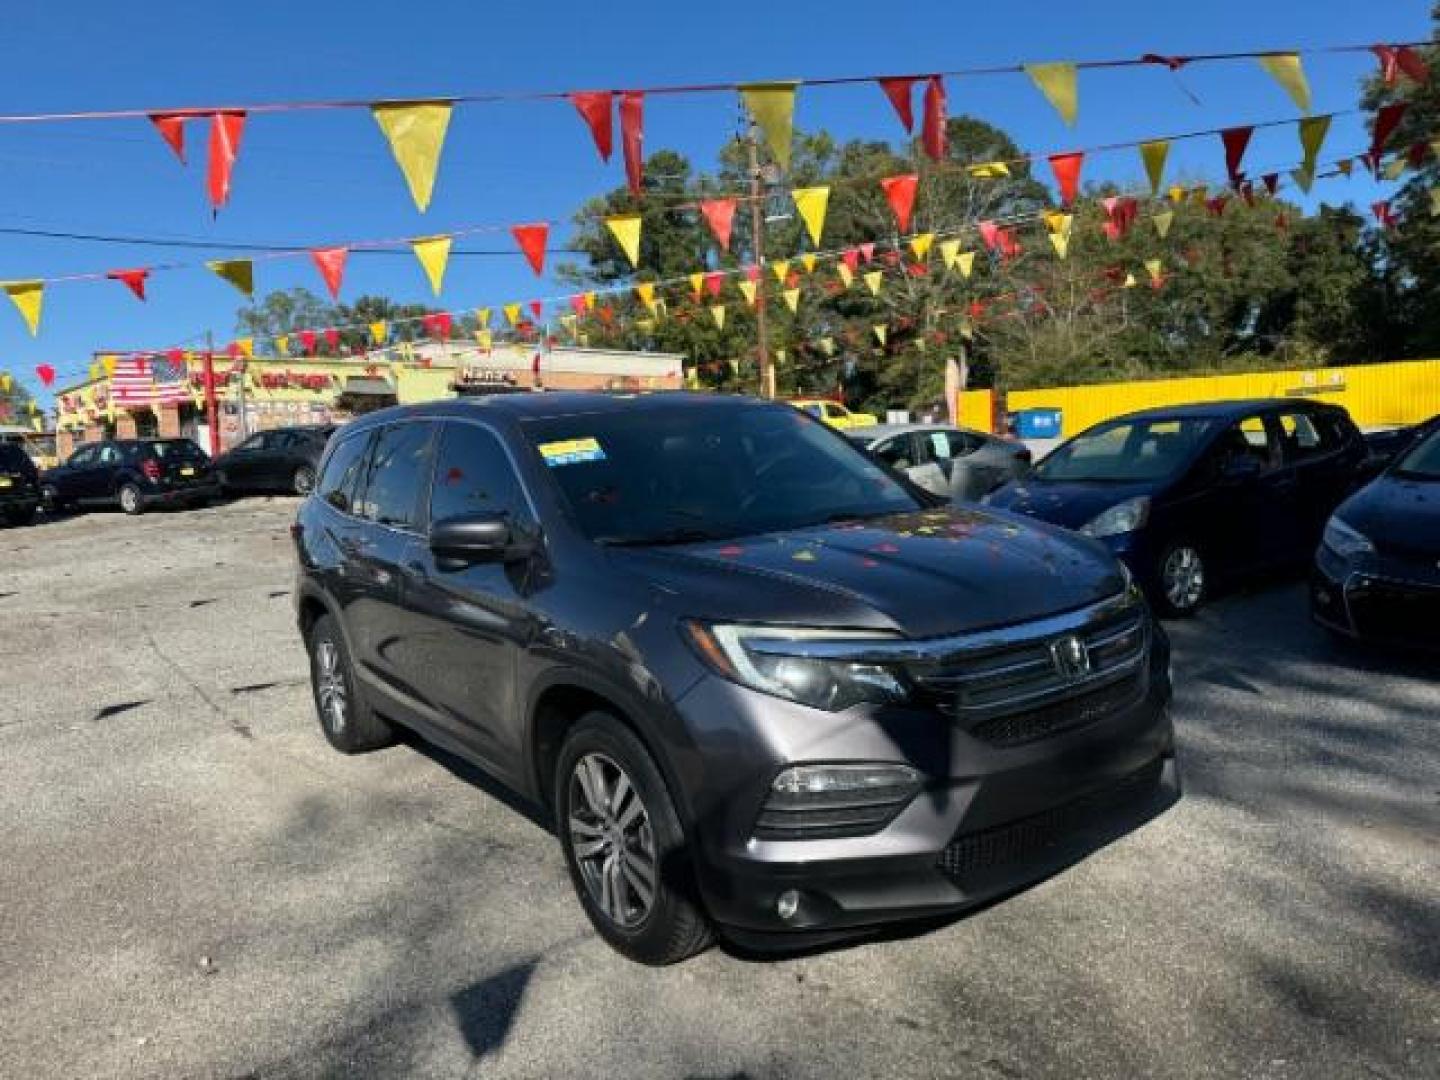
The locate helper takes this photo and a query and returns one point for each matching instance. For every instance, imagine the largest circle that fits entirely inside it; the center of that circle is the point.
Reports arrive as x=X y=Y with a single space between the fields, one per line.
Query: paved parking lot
x=192 y=884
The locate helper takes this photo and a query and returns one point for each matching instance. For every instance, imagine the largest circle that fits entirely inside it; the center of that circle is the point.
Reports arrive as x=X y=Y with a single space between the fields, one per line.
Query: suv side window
x=1246 y=438
x=962 y=443
x=473 y=475
x=109 y=455
x=337 y=483
x=84 y=456
x=1301 y=438
x=396 y=474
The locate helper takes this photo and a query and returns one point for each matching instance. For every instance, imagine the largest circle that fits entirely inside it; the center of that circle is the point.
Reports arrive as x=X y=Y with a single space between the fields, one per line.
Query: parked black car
x=19 y=485
x=282 y=459
x=1195 y=495
x=1377 y=573
x=133 y=474
x=759 y=682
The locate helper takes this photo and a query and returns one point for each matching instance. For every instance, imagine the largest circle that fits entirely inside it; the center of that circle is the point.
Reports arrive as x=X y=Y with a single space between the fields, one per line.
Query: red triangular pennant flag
x=932 y=137
x=577 y=303
x=1417 y=154
x=714 y=282
x=135 y=279
x=898 y=90
x=868 y=251
x=720 y=216
x=532 y=240
x=331 y=264
x=752 y=272
x=900 y=191
x=1382 y=213
x=536 y=307
x=1236 y=140
x=632 y=136
x=172 y=129
x=851 y=258
x=594 y=109
x=989 y=234
x=225 y=131
x=1066 y=168
x=1412 y=64
x=1386 y=55
x=46 y=374
x=1112 y=230
x=1387 y=119
x=307 y=341
x=1217 y=205
x=332 y=339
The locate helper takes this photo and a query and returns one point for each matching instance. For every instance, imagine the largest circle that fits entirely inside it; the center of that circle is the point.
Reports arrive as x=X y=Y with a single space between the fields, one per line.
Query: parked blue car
x=1193 y=496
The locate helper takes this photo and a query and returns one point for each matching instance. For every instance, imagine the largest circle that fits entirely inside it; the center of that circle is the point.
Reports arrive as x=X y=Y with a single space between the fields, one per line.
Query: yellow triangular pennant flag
x=1176 y=193
x=108 y=363
x=589 y=301
x=646 y=292
x=1313 y=130
x=28 y=298
x=949 y=252
x=482 y=316
x=1393 y=168
x=485 y=337
x=512 y=314
x=238 y=272
x=847 y=276
x=95 y=372
x=1059 y=84
x=416 y=133
x=808 y=261
x=717 y=312
x=379 y=332
x=37 y=423
x=989 y=170
x=747 y=290
x=827 y=346
x=1435 y=202
x=626 y=230
x=781 y=269
x=5 y=382
x=966 y=262
x=1130 y=281
x=1153 y=154
x=1156 y=269
x=1285 y=69
x=1060 y=243
x=246 y=346
x=1163 y=221
x=282 y=345
x=792 y=299
x=811 y=204
x=433 y=253
x=697 y=284
x=882 y=333
x=773 y=107
x=1057 y=221
x=873 y=280
x=920 y=245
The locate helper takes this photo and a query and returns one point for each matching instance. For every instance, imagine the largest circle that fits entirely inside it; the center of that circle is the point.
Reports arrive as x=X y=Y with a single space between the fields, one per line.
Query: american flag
x=130 y=384
x=171 y=378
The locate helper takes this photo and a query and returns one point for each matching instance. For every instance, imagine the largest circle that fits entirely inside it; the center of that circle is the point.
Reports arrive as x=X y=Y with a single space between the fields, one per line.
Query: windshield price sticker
x=571 y=452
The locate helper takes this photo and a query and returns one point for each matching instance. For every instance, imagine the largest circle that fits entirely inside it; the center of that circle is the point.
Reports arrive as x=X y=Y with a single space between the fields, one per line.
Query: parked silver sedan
x=956 y=463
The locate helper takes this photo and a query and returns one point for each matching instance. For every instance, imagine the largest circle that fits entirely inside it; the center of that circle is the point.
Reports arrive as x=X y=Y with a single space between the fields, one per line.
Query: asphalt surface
x=193 y=884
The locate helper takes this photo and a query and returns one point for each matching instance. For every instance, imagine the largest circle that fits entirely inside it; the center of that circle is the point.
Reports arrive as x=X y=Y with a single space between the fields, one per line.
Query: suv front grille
x=1026 y=838
x=1018 y=691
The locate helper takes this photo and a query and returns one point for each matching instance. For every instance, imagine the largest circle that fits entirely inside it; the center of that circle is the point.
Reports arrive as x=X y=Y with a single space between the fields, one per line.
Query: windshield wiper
x=680 y=535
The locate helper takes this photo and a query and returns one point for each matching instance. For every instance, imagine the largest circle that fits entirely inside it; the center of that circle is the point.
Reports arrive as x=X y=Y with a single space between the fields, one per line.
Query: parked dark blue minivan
x=1193 y=495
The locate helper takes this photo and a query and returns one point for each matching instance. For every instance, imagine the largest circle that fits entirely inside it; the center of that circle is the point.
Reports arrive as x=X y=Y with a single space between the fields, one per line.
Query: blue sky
x=317 y=178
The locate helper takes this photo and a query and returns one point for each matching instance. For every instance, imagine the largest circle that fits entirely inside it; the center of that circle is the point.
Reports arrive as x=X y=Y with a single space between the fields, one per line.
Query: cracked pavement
x=193 y=884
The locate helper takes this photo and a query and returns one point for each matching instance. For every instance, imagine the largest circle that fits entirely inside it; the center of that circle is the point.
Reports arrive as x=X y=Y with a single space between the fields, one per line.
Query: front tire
x=347 y=720
x=1182 y=580
x=624 y=845
x=131 y=501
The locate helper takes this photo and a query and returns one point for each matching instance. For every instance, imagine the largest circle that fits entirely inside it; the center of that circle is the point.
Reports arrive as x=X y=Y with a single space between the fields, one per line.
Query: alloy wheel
x=612 y=840
x=304 y=480
x=129 y=499
x=330 y=686
x=1183 y=578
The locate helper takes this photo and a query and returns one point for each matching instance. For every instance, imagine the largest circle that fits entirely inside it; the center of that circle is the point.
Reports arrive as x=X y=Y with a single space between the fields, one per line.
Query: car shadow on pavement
x=475 y=776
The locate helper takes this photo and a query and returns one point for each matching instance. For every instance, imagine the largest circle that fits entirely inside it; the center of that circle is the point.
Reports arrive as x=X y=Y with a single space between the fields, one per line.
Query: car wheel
x=50 y=499
x=131 y=501
x=350 y=725
x=1182 y=580
x=303 y=482
x=624 y=845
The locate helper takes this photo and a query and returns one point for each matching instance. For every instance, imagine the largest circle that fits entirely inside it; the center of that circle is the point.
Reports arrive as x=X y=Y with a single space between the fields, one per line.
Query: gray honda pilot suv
x=760 y=684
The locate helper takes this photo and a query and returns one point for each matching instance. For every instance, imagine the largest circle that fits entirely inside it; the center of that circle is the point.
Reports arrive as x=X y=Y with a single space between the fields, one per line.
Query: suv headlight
x=1121 y=518
x=821 y=683
x=1345 y=541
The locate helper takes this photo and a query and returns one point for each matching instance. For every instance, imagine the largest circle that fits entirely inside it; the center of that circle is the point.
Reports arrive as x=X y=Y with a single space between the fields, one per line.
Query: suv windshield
x=1126 y=450
x=1423 y=460
x=672 y=475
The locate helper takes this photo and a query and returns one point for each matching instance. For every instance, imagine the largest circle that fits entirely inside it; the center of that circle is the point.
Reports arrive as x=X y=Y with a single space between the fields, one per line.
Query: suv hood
x=924 y=573
x=1071 y=503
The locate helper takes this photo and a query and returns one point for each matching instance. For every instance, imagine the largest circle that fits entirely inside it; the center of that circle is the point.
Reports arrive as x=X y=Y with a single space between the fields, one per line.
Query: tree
x=288 y=312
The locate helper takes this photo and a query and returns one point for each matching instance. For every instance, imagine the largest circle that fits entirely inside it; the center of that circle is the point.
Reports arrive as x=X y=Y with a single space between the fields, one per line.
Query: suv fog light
x=787 y=904
x=812 y=802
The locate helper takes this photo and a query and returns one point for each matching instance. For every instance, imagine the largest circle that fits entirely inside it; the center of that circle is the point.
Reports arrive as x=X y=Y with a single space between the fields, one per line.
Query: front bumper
x=1377 y=598
x=988 y=820
x=171 y=494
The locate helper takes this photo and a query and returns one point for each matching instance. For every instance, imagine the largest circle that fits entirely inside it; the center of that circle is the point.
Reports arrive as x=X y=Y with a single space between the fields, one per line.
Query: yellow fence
x=1376 y=395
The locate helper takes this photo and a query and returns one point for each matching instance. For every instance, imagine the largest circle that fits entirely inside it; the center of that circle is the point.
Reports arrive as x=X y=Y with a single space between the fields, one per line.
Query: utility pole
x=212 y=417
x=757 y=244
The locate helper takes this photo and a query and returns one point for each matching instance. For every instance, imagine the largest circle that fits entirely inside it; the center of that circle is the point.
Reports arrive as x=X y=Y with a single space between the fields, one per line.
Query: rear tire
x=347 y=720
x=131 y=501
x=1182 y=580
x=303 y=482
x=624 y=845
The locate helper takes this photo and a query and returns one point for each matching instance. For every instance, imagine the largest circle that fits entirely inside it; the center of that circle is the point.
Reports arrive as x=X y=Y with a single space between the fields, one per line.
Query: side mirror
x=477 y=538
x=1243 y=467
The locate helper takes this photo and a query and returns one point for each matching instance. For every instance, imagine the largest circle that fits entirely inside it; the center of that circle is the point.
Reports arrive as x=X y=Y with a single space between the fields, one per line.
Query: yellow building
x=254 y=394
